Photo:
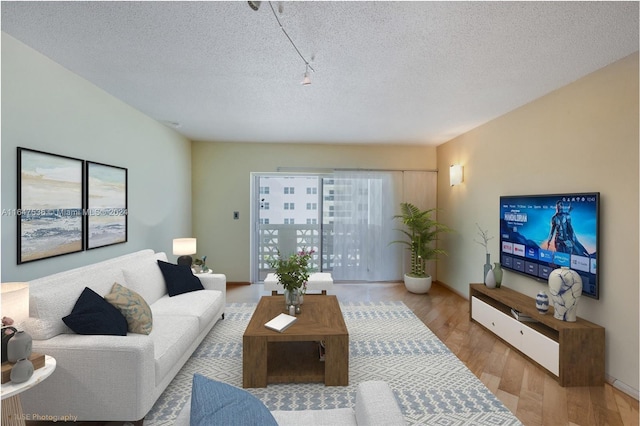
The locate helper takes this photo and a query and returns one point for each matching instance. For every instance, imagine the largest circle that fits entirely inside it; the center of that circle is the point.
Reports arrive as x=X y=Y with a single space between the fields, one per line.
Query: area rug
x=387 y=342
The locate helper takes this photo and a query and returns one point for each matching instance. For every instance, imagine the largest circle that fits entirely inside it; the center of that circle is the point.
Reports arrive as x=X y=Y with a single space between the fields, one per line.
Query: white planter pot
x=417 y=285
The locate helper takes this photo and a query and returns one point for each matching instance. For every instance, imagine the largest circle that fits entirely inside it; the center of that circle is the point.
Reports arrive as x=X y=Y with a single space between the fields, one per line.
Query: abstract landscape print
x=106 y=205
x=50 y=205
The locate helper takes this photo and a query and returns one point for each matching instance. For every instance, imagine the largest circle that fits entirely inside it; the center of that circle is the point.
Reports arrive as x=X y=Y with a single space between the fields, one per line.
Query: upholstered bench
x=217 y=403
x=318 y=281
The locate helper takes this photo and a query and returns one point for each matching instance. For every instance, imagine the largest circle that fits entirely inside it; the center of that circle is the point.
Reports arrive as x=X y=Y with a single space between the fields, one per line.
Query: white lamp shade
x=15 y=301
x=184 y=246
x=455 y=174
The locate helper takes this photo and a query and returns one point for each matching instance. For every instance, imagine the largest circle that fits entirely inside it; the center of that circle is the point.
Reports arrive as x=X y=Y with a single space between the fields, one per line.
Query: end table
x=12 y=413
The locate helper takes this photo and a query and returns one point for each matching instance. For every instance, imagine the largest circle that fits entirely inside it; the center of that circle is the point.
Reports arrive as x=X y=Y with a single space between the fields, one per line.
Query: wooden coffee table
x=292 y=356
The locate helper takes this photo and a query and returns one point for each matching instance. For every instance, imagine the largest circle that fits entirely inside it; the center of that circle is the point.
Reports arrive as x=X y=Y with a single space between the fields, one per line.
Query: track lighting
x=306 y=80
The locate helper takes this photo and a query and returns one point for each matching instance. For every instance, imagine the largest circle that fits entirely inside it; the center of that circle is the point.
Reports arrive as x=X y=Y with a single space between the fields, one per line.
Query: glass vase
x=497 y=274
x=292 y=297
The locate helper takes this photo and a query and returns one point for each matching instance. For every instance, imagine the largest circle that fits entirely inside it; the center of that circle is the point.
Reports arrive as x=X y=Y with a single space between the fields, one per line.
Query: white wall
x=580 y=138
x=47 y=108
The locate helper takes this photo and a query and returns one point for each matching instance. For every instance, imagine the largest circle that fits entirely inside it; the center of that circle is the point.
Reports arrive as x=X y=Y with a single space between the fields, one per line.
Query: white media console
x=573 y=352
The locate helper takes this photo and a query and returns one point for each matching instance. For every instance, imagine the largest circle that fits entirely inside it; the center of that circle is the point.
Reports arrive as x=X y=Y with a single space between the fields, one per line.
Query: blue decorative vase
x=542 y=302
x=487 y=267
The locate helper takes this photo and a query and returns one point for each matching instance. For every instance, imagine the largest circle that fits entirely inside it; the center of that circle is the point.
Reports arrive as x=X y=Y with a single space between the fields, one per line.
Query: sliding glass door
x=346 y=217
x=288 y=218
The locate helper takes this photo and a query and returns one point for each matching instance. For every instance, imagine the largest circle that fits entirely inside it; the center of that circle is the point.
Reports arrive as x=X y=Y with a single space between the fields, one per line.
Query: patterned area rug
x=387 y=342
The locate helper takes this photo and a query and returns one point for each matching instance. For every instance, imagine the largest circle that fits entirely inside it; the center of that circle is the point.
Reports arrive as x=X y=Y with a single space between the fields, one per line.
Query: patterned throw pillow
x=133 y=307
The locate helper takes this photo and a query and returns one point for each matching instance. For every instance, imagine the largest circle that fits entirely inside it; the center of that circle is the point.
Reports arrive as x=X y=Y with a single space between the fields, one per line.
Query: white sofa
x=375 y=406
x=116 y=378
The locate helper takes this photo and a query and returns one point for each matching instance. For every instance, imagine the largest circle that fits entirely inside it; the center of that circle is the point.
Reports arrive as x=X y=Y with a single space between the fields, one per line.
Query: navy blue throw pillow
x=93 y=315
x=179 y=278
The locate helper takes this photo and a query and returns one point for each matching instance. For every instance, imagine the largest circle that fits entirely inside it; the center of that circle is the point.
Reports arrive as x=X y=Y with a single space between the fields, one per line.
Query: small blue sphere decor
x=542 y=302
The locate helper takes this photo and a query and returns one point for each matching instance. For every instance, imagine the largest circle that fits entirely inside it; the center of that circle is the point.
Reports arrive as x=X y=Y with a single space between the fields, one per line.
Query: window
x=338 y=216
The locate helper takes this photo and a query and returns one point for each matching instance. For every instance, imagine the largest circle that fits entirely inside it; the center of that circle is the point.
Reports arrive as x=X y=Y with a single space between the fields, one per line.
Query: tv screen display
x=540 y=233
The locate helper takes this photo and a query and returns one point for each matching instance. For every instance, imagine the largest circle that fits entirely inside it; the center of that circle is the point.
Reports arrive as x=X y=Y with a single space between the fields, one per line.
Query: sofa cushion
x=133 y=307
x=94 y=315
x=146 y=279
x=172 y=338
x=217 y=403
x=203 y=304
x=179 y=278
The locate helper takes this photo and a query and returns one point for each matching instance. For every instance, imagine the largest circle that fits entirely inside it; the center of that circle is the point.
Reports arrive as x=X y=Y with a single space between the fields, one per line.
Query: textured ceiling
x=385 y=72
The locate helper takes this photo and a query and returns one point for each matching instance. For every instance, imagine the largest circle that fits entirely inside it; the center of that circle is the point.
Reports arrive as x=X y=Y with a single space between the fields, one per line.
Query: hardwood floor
x=526 y=389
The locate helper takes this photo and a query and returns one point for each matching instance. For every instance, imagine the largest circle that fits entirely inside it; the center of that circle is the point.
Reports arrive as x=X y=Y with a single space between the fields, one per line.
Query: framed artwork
x=106 y=205
x=50 y=205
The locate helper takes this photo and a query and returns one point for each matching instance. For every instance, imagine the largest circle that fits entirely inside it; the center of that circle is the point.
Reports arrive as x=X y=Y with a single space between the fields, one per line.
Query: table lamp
x=15 y=302
x=184 y=247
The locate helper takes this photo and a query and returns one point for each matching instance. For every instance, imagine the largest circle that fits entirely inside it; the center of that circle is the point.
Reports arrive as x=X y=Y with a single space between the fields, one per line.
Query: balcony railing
x=293 y=238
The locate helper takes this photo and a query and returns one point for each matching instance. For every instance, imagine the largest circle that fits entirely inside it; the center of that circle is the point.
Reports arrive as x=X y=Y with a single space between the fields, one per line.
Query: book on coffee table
x=281 y=322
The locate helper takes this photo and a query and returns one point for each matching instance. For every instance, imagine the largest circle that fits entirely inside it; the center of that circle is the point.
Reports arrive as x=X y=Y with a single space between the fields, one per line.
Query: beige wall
x=47 y=108
x=582 y=137
x=221 y=185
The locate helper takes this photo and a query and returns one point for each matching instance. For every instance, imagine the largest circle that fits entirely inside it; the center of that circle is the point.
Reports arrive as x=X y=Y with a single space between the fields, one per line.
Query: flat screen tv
x=540 y=233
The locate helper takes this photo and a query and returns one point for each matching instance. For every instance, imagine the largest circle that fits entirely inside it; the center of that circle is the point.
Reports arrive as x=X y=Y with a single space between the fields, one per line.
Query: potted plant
x=293 y=273
x=422 y=231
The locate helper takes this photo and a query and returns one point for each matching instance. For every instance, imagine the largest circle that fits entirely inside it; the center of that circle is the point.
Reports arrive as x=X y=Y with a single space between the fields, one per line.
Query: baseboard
x=453 y=290
x=623 y=387
x=232 y=283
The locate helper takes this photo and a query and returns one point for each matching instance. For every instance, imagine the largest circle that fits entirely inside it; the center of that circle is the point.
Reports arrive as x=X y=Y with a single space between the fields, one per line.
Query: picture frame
x=49 y=206
x=107 y=201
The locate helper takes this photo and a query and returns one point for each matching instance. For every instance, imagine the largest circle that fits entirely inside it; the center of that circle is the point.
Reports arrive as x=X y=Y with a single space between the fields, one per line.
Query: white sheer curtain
x=420 y=188
x=364 y=206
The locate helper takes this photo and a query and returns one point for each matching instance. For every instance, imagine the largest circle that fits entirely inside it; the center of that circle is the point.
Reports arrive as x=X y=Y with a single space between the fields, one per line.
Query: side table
x=12 y=413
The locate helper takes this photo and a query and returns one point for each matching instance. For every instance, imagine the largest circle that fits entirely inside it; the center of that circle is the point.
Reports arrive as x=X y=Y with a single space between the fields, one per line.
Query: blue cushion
x=216 y=403
x=179 y=278
x=93 y=315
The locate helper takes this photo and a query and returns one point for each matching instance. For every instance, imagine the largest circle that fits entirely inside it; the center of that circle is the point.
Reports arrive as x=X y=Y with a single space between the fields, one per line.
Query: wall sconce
x=184 y=247
x=455 y=174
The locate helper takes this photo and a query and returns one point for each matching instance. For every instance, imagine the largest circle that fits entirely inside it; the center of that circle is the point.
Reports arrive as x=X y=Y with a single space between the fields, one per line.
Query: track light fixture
x=306 y=81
